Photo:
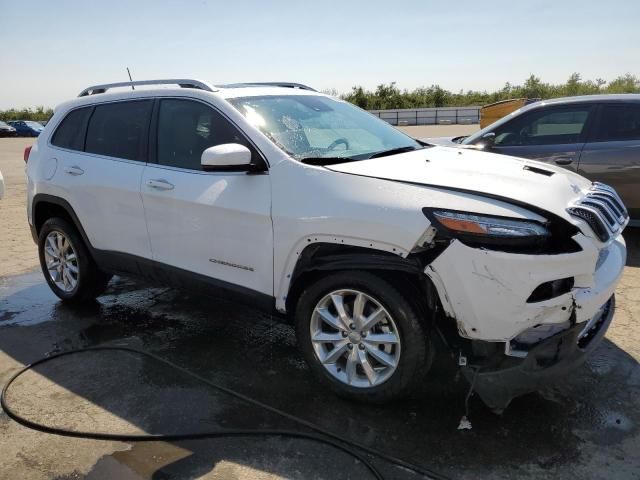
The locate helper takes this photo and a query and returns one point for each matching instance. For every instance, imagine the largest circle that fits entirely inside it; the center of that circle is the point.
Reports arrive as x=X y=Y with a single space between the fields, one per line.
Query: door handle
x=563 y=160
x=74 y=170
x=159 y=184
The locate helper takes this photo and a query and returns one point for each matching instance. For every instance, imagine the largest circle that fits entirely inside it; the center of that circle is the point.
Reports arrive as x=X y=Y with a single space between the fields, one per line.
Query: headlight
x=486 y=230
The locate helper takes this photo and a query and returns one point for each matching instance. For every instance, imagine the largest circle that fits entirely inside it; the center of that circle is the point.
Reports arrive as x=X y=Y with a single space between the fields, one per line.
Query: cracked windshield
x=320 y=130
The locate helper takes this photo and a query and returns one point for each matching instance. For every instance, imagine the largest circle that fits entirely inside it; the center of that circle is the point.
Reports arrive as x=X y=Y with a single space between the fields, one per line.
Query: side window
x=551 y=127
x=120 y=129
x=70 y=132
x=618 y=123
x=186 y=128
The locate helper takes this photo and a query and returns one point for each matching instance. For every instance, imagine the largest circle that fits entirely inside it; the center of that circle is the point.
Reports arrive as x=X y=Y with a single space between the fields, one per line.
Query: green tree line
x=38 y=113
x=389 y=96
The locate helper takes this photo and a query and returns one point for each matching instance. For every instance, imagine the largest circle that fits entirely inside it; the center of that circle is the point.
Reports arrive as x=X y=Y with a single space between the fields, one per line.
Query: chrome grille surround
x=602 y=209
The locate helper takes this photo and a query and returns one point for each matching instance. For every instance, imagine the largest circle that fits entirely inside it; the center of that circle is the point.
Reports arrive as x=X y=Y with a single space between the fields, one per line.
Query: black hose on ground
x=322 y=435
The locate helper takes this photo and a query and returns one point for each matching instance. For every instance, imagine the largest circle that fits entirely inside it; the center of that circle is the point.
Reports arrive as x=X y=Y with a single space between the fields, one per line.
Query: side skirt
x=167 y=275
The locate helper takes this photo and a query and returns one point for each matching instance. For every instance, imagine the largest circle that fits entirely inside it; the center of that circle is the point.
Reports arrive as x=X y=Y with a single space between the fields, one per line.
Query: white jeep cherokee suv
x=370 y=242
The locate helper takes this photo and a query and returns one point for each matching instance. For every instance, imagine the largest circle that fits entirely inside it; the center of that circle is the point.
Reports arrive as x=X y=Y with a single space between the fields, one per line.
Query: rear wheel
x=362 y=338
x=66 y=263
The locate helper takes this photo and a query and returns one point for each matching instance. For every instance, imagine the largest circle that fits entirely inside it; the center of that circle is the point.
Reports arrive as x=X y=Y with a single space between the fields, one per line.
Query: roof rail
x=182 y=82
x=270 y=84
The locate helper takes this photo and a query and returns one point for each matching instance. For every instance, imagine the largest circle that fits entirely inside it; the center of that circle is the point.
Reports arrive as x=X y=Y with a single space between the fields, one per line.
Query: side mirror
x=487 y=140
x=228 y=156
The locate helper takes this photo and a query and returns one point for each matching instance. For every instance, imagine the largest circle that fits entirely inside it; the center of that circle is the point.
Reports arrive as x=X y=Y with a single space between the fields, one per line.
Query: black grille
x=593 y=220
x=615 y=207
x=602 y=209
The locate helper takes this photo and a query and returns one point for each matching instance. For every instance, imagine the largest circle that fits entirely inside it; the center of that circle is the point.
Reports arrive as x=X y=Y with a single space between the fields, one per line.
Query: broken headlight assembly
x=496 y=233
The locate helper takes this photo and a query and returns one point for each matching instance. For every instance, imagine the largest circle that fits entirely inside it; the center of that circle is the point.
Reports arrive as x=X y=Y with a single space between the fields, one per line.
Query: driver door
x=554 y=135
x=214 y=224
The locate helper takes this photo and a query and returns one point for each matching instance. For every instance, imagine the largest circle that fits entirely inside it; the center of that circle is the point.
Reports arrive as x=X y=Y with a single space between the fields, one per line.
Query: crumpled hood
x=534 y=183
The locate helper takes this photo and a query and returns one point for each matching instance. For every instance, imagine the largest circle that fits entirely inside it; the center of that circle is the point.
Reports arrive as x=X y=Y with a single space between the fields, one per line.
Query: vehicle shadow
x=256 y=355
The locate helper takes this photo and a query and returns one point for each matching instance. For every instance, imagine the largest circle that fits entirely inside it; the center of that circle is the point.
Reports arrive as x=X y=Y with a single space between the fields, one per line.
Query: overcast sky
x=52 y=49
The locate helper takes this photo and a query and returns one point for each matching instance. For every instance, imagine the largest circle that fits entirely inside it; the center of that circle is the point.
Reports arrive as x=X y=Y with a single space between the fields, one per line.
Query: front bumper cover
x=547 y=361
x=486 y=292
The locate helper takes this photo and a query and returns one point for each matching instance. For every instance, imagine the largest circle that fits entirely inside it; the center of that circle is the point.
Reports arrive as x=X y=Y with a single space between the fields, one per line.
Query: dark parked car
x=7 y=130
x=597 y=136
x=27 y=128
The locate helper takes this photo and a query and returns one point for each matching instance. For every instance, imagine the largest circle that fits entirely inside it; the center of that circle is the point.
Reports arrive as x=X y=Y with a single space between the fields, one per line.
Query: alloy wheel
x=61 y=261
x=355 y=338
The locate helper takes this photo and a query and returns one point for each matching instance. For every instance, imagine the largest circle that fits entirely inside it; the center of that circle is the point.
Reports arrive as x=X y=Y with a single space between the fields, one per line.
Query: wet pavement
x=587 y=427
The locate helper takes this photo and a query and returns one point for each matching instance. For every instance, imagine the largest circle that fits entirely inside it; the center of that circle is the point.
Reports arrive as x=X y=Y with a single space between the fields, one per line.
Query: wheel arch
x=46 y=206
x=405 y=272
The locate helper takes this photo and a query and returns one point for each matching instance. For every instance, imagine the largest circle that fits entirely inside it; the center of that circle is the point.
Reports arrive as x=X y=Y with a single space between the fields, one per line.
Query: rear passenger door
x=101 y=153
x=213 y=223
x=612 y=152
x=554 y=135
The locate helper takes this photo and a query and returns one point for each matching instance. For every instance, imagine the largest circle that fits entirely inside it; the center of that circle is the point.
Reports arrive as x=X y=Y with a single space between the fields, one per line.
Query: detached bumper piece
x=545 y=362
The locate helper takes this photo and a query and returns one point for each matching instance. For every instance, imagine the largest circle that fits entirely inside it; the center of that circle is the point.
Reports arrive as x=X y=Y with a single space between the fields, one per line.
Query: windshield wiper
x=335 y=160
x=325 y=160
x=393 y=151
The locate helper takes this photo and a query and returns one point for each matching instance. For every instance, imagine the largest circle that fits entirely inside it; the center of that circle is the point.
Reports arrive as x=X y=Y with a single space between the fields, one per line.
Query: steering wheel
x=337 y=142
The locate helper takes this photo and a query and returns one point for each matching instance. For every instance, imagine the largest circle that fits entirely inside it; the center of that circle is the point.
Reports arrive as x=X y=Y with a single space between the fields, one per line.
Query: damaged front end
x=524 y=319
x=499 y=378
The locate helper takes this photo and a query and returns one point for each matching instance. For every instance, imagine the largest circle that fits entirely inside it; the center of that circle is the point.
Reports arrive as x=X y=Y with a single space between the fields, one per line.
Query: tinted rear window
x=619 y=123
x=120 y=129
x=70 y=133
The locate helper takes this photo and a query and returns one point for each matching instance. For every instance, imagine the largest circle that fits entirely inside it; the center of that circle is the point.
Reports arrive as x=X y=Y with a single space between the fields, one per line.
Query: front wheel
x=67 y=264
x=361 y=337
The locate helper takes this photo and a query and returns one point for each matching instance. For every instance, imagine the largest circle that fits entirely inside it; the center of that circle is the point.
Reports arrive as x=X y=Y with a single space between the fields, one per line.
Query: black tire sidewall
x=415 y=345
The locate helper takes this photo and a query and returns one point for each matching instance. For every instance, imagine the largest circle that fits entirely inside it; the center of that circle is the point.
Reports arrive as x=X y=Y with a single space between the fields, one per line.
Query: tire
x=88 y=281
x=378 y=382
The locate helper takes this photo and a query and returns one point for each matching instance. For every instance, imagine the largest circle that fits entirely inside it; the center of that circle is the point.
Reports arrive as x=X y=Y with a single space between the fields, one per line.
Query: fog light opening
x=552 y=289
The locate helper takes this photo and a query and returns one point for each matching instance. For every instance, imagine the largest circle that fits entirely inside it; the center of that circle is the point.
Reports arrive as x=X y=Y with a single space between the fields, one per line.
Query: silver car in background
x=597 y=136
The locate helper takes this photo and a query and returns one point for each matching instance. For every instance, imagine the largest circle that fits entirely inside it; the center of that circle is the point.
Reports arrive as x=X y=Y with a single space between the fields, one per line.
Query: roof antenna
x=130 y=79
